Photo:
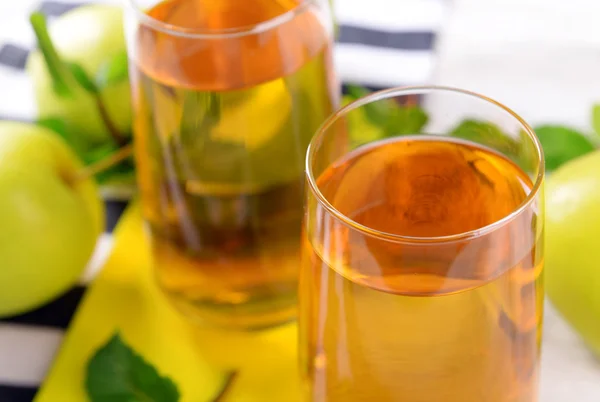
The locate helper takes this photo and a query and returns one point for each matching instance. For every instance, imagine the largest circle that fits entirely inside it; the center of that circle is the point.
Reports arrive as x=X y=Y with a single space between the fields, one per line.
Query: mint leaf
x=378 y=112
x=382 y=119
x=113 y=71
x=486 y=133
x=527 y=156
x=596 y=118
x=355 y=92
x=360 y=129
x=123 y=171
x=561 y=144
x=404 y=120
x=82 y=78
x=60 y=127
x=347 y=99
x=116 y=373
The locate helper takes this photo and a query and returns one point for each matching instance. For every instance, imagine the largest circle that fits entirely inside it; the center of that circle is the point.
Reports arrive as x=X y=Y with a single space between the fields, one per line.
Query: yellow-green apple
x=91 y=37
x=49 y=214
x=573 y=245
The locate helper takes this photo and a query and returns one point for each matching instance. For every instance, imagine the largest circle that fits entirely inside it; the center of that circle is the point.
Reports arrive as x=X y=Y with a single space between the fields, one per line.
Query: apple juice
x=223 y=116
x=422 y=321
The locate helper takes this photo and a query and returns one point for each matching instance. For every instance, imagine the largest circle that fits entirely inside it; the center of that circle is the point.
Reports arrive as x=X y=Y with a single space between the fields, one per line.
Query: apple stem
x=227 y=384
x=91 y=170
x=114 y=132
x=62 y=77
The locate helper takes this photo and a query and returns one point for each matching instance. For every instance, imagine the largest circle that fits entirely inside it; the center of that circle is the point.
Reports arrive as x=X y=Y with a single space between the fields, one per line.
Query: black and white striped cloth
x=382 y=43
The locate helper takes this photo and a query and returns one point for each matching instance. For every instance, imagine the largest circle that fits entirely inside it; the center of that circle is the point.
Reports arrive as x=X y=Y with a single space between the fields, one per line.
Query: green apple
x=50 y=216
x=92 y=37
x=573 y=245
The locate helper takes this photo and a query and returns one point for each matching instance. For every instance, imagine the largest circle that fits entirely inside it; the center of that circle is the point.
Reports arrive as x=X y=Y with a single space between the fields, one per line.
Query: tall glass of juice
x=227 y=95
x=423 y=253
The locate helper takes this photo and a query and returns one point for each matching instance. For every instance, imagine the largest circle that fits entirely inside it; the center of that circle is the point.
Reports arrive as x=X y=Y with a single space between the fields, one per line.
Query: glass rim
x=418 y=90
x=225 y=33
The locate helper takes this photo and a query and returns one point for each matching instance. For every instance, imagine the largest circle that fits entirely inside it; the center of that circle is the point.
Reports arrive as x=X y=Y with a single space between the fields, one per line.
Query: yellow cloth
x=124 y=297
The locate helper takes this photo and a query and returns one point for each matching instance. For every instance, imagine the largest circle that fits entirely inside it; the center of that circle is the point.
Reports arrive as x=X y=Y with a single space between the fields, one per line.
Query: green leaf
x=113 y=71
x=346 y=100
x=118 y=374
x=561 y=144
x=486 y=133
x=377 y=112
x=83 y=78
x=200 y=111
x=527 y=155
x=382 y=119
x=596 y=118
x=405 y=120
x=60 y=127
x=123 y=172
x=355 y=92
x=361 y=130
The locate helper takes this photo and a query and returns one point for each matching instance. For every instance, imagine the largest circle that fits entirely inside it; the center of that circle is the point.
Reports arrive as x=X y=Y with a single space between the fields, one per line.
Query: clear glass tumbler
x=422 y=263
x=227 y=95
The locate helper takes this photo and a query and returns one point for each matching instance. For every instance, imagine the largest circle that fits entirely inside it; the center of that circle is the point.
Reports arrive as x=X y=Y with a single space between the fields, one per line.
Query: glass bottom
x=262 y=311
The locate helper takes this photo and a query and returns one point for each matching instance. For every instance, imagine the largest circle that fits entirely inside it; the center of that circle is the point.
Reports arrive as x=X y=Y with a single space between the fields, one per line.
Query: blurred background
x=539 y=57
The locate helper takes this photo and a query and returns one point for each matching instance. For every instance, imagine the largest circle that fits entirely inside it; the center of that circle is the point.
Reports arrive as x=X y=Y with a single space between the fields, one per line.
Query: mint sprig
x=60 y=127
x=562 y=144
x=122 y=171
x=387 y=118
x=382 y=119
x=116 y=373
x=487 y=134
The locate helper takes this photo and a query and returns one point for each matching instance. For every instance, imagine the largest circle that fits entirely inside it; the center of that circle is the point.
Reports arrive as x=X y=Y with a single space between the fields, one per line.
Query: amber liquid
x=222 y=124
x=454 y=321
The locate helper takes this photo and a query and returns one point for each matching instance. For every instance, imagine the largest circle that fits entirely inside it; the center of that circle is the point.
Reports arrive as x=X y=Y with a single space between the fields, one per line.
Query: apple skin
x=89 y=36
x=572 y=268
x=50 y=220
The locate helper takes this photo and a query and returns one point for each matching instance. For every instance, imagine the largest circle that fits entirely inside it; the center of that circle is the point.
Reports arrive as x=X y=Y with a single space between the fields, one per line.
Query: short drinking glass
x=421 y=278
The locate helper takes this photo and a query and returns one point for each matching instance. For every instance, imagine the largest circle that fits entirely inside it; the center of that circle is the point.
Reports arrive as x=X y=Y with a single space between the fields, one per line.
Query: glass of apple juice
x=227 y=95
x=422 y=263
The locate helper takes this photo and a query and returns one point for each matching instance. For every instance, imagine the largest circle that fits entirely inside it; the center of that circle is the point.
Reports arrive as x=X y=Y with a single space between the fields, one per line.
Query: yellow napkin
x=124 y=297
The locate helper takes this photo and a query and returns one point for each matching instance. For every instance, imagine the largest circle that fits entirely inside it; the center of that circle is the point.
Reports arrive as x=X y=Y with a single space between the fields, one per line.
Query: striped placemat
x=381 y=43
